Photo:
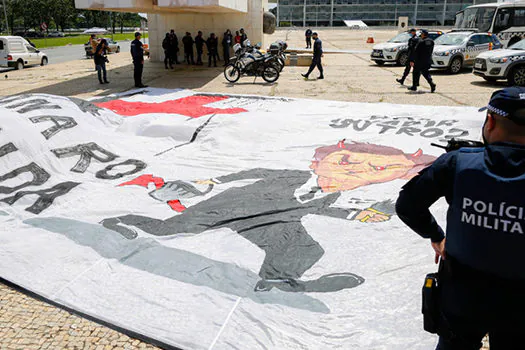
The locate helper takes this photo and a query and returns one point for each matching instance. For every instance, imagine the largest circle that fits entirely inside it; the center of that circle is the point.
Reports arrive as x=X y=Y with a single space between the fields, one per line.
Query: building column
x=332 y=15
x=444 y=12
x=415 y=14
x=278 y=17
x=304 y=13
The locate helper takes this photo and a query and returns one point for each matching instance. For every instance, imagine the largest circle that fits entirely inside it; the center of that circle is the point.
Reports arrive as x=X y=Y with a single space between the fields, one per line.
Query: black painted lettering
x=447 y=122
x=86 y=152
x=32 y=105
x=104 y=173
x=45 y=197
x=61 y=123
x=432 y=132
x=408 y=130
x=385 y=128
x=7 y=148
x=40 y=176
x=456 y=133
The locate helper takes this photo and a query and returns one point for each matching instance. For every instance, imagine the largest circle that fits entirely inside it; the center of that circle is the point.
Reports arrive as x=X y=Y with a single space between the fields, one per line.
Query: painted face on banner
x=342 y=169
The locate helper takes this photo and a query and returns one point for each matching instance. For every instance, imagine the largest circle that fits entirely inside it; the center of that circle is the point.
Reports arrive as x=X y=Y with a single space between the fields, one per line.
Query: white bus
x=506 y=20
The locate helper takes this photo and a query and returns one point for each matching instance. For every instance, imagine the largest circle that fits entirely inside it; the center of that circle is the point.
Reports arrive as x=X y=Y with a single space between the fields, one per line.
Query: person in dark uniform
x=308 y=35
x=227 y=41
x=199 y=45
x=188 y=42
x=482 y=277
x=137 y=53
x=166 y=47
x=244 y=37
x=212 y=45
x=174 y=47
x=316 y=60
x=101 y=60
x=422 y=62
x=412 y=43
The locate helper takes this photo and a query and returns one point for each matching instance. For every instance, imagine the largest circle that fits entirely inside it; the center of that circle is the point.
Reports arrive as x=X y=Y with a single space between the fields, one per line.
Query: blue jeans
x=101 y=71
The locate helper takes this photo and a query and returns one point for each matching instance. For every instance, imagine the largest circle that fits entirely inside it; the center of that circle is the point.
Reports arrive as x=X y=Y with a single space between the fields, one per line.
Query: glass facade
x=373 y=12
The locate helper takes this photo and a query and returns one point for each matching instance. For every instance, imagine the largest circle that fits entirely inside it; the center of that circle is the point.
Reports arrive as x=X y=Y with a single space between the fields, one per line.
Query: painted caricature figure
x=268 y=212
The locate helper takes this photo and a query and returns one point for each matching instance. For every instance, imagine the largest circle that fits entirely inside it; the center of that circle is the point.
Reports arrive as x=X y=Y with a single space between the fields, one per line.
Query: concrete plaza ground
x=26 y=323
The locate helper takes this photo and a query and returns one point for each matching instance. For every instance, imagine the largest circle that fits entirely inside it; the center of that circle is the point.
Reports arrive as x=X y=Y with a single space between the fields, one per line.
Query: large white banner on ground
x=216 y=222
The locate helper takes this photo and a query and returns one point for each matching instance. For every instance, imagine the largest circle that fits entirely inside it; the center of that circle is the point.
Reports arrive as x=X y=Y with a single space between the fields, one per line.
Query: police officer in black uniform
x=412 y=43
x=188 y=42
x=137 y=53
x=482 y=279
x=316 y=60
x=199 y=45
x=422 y=62
x=308 y=36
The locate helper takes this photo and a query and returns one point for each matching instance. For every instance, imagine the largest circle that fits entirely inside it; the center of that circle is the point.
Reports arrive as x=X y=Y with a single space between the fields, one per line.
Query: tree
x=63 y=12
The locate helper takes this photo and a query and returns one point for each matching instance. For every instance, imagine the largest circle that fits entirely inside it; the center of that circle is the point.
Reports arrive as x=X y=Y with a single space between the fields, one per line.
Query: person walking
x=316 y=60
x=237 y=38
x=308 y=35
x=227 y=41
x=199 y=45
x=188 y=42
x=244 y=37
x=174 y=47
x=481 y=280
x=412 y=43
x=422 y=62
x=101 y=60
x=166 y=47
x=137 y=53
x=212 y=45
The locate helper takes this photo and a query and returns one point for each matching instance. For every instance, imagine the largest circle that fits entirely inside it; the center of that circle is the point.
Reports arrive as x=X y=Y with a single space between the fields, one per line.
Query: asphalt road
x=63 y=54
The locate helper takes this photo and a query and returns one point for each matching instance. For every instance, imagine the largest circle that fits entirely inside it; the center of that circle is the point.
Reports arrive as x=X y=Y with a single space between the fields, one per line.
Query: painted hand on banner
x=205 y=182
x=371 y=215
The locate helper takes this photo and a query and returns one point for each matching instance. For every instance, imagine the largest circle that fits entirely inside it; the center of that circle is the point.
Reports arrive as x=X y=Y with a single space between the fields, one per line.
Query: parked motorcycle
x=251 y=62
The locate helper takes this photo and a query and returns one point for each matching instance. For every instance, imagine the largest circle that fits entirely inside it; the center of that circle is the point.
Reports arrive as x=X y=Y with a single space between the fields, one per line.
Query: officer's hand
x=142 y=62
x=371 y=215
x=439 y=248
x=412 y=64
x=205 y=182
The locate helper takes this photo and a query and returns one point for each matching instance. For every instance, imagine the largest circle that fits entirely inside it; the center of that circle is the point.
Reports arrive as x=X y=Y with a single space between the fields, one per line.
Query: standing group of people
x=420 y=51
x=170 y=45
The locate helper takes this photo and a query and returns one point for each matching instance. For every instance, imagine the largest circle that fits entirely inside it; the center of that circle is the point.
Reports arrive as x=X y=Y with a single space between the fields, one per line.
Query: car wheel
x=118 y=49
x=456 y=65
x=19 y=65
x=517 y=76
x=380 y=63
x=44 y=61
x=403 y=59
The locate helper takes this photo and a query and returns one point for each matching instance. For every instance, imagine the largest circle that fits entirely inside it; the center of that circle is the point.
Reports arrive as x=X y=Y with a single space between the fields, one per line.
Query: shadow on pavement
x=121 y=79
x=490 y=84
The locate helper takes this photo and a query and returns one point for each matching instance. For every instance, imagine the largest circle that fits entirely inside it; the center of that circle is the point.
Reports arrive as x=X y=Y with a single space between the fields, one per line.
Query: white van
x=16 y=52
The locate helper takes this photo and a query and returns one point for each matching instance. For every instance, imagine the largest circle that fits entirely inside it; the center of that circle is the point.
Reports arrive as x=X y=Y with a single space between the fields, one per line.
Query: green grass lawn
x=77 y=40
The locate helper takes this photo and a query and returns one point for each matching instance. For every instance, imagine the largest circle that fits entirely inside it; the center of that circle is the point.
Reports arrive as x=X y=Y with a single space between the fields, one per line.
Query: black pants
x=101 y=71
x=189 y=57
x=174 y=56
x=316 y=62
x=199 y=56
x=137 y=73
x=226 y=54
x=308 y=42
x=475 y=303
x=418 y=71
x=167 y=59
x=212 y=56
x=407 y=71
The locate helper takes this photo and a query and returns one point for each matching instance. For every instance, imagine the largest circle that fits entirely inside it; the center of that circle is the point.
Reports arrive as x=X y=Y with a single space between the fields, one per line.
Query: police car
x=506 y=64
x=395 y=50
x=456 y=50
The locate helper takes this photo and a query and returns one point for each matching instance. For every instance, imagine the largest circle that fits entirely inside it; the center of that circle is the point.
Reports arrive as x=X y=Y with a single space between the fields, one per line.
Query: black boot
x=413 y=88
x=432 y=87
x=401 y=81
x=320 y=77
x=304 y=76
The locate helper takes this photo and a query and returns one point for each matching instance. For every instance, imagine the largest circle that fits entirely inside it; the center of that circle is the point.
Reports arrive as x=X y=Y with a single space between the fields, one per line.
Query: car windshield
x=452 y=39
x=520 y=45
x=476 y=17
x=400 y=38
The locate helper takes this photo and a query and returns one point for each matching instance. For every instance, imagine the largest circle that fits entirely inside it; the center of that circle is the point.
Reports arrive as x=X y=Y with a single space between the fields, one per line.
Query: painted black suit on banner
x=266 y=213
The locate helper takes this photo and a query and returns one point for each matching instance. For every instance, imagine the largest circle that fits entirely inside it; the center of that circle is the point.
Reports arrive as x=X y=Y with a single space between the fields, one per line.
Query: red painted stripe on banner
x=191 y=106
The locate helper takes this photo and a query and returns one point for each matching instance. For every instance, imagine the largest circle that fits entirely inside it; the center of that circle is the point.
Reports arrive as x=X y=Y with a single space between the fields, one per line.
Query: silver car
x=508 y=64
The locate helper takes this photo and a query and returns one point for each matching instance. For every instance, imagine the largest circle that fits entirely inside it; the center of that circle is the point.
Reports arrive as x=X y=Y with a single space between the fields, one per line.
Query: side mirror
x=37 y=51
x=471 y=43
